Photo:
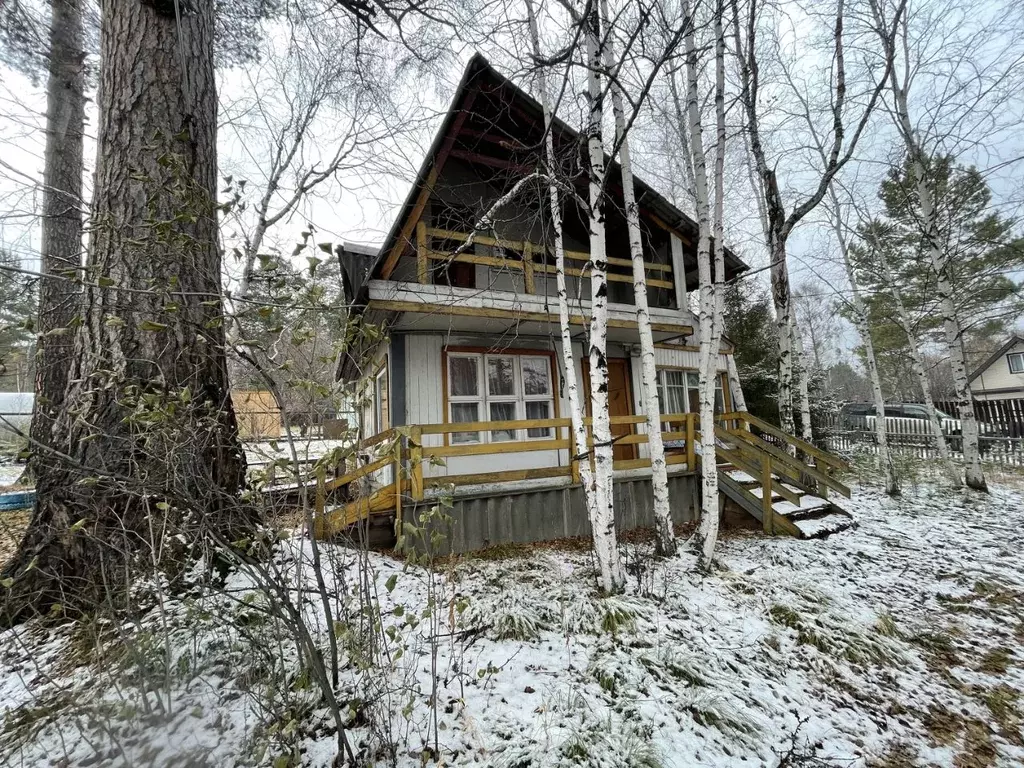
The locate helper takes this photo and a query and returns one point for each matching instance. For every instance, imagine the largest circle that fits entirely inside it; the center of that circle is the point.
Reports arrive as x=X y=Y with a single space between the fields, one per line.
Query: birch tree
x=947 y=119
x=880 y=255
x=664 y=534
x=576 y=412
x=840 y=149
x=862 y=322
x=711 y=277
x=605 y=539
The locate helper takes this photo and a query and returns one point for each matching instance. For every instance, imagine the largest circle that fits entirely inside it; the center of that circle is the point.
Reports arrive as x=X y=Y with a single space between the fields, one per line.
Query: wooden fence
x=1001 y=438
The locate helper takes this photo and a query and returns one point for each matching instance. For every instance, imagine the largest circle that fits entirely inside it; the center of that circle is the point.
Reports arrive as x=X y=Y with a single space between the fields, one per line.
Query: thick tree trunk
x=739 y=402
x=576 y=412
x=149 y=453
x=61 y=251
x=605 y=539
x=782 y=301
x=665 y=543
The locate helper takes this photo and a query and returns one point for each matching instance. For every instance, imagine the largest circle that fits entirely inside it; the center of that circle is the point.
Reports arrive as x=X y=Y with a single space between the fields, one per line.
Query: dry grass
x=12 y=526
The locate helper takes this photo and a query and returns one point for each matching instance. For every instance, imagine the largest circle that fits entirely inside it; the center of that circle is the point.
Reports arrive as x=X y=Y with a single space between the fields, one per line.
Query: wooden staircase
x=759 y=471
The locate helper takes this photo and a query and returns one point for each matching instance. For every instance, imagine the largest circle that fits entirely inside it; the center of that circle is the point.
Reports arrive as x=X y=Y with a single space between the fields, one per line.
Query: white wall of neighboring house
x=997 y=382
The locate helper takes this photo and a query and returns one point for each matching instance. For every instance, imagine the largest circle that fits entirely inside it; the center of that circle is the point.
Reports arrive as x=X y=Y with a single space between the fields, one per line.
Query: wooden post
x=416 y=462
x=421 y=252
x=528 y=267
x=321 y=504
x=767 y=511
x=691 y=453
x=398 y=484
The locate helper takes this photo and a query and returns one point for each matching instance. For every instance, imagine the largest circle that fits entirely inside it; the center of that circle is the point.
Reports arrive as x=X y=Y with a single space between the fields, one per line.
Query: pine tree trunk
x=150 y=453
x=605 y=539
x=576 y=413
x=61 y=246
x=665 y=543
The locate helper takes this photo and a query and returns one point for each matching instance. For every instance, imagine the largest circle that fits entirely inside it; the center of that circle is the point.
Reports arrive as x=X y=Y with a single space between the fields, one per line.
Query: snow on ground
x=894 y=644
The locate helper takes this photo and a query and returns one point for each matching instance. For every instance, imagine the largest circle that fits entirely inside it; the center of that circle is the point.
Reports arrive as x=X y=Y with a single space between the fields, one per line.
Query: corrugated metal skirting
x=487 y=520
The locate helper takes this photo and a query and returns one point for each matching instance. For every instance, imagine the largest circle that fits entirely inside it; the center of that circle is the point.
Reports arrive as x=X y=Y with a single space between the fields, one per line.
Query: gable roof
x=479 y=73
x=1013 y=341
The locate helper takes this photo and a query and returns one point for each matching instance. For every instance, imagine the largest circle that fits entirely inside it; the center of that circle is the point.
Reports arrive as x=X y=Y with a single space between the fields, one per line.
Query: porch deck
x=759 y=472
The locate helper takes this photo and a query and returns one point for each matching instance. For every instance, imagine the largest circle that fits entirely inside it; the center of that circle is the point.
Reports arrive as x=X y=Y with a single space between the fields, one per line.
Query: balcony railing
x=658 y=275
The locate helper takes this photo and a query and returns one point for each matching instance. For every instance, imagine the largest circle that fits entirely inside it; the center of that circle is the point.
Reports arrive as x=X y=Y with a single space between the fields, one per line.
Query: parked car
x=904 y=419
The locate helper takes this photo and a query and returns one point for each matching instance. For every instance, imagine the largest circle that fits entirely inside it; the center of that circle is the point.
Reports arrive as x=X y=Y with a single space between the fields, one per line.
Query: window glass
x=463 y=377
x=536 y=376
x=540 y=409
x=501 y=379
x=502 y=411
x=463 y=412
x=1016 y=362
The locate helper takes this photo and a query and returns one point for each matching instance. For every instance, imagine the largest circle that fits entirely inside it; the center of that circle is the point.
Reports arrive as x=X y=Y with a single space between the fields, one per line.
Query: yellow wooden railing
x=527 y=265
x=741 y=443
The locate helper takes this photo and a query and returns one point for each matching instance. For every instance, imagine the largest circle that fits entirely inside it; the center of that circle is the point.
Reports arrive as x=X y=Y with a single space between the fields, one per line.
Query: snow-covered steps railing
x=785 y=494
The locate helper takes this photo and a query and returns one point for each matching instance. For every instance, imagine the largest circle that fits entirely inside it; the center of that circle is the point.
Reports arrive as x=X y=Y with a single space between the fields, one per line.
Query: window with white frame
x=679 y=391
x=1016 y=361
x=496 y=387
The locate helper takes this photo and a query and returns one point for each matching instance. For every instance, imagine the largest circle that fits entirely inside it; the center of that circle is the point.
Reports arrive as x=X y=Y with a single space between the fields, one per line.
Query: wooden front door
x=620 y=401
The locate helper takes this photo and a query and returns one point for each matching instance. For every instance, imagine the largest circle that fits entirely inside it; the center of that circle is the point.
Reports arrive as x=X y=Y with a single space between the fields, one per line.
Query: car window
x=893 y=410
x=915 y=412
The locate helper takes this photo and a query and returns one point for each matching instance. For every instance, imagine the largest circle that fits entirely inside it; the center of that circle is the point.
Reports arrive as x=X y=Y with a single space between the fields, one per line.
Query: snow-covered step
x=819 y=527
x=808 y=503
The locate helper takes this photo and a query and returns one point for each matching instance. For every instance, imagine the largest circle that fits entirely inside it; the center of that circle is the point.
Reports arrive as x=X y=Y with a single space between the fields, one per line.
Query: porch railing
x=760 y=450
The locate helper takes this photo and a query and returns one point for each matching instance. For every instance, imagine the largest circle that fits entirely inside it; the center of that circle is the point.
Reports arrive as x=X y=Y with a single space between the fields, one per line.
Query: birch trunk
x=862 y=321
x=800 y=369
x=61 y=246
x=710 y=296
x=939 y=259
x=605 y=540
x=739 y=402
x=576 y=412
x=664 y=535
x=150 y=458
x=917 y=362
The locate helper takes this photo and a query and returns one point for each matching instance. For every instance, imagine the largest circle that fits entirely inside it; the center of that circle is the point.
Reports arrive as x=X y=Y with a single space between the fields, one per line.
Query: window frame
x=485 y=399
x=721 y=385
x=1019 y=356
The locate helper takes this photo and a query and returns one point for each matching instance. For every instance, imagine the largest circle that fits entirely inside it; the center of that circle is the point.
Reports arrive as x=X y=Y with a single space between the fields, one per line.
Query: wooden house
x=468 y=388
x=1001 y=375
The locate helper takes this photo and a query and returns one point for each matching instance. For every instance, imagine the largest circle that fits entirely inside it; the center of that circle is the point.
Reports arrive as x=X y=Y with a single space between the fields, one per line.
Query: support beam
x=679 y=271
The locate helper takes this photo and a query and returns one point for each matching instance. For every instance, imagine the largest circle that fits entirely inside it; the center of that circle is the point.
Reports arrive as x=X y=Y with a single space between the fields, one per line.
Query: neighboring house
x=15 y=416
x=473 y=336
x=1001 y=376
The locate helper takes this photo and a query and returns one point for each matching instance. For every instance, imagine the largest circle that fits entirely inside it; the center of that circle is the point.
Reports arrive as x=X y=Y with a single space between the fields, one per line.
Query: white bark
x=710 y=312
x=576 y=412
x=605 y=540
x=800 y=369
x=664 y=534
x=939 y=260
x=863 y=324
x=739 y=403
x=917 y=362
